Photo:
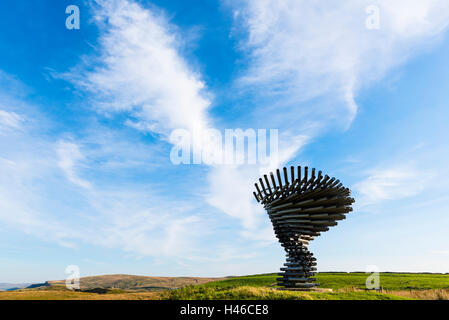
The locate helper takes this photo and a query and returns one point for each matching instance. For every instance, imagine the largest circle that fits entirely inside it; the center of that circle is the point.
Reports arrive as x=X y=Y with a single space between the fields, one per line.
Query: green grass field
x=345 y=286
x=340 y=280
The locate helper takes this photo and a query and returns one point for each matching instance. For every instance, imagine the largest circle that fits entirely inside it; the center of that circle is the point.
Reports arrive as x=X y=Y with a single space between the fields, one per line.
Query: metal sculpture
x=300 y=209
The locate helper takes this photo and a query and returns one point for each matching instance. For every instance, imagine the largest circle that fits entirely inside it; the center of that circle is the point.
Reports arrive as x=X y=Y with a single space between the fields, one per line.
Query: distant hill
x=38 y=285
x=13 y=286
x=134 y=283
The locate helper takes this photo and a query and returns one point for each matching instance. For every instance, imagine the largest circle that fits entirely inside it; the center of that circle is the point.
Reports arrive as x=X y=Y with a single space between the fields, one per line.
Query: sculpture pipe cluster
x=301 y=207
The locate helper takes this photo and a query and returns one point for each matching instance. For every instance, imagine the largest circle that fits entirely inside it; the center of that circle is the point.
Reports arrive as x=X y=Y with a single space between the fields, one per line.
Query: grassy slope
x=345 y=285
x=388 y=281
x=61 y=293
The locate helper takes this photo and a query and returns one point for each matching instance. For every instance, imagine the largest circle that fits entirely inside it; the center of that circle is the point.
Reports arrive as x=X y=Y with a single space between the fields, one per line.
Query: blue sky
x=86 y=117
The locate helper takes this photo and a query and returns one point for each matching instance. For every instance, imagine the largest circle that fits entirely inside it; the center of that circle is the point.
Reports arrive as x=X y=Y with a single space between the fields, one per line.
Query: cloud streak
x=9 y=120
x=139 y=71
x=69 y=156
x=391 y=184
x=301 y=50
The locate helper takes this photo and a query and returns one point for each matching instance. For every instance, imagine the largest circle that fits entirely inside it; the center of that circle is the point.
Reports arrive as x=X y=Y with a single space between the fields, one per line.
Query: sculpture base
x=288 y=281
x=300 y=267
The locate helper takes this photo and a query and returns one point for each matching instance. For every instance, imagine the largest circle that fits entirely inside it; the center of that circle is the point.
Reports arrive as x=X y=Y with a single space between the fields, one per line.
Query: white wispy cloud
x=230 y=192
x=301 y=49
x=36 y=198
x=392 y=183
x=69 y=157
x=10 y=120
x=307 y=61
x=311 y=58
x=140 y=72
x=296 y=50
x=22 y=197
x=142 y=225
